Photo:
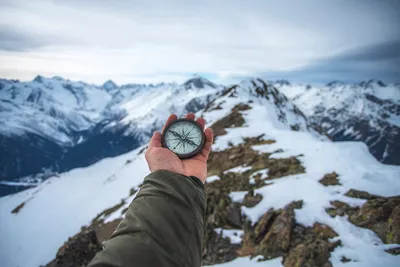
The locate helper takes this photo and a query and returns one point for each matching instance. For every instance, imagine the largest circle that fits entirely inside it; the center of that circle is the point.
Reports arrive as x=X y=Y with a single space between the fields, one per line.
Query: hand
x=160 y=158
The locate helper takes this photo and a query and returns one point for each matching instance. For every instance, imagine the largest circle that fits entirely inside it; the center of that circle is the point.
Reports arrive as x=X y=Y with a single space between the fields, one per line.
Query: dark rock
x=218 y=249
x=344 y=259
x=310 y=246
x=360 y=194
x=295 y=127
x=340 y=209
x=242 y=107
x=234 y=119
x=251 y=200
x=276 y=242
x=18 y=208
x=323 y=231
x=309 y=254
x=234 y=215
x=330 y=179
x=81 y=248
x=394 y=251
x=78 y=251
x=104 y=214
x=381 y=215
x=296 y=204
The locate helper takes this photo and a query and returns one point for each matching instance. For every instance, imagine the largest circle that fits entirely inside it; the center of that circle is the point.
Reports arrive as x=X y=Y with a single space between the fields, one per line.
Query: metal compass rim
x=187 y=155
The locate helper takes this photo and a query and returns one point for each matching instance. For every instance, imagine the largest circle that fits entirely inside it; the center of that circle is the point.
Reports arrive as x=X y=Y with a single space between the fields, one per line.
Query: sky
x=154 y=41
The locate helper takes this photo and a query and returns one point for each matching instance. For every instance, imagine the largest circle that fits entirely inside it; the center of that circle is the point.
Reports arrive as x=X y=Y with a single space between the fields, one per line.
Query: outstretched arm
x=164 y=223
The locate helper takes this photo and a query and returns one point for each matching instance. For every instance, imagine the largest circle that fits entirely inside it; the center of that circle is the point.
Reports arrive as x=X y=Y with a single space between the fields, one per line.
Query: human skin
x=160 y=158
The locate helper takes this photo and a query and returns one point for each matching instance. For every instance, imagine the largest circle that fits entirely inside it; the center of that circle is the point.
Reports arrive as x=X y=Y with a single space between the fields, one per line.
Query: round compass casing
x=184 y=137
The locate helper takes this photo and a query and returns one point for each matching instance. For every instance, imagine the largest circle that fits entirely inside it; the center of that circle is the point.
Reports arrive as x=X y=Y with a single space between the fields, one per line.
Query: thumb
x=155 y=141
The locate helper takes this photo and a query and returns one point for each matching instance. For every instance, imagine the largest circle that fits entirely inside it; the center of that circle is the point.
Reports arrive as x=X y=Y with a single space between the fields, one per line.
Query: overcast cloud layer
x=151 y=41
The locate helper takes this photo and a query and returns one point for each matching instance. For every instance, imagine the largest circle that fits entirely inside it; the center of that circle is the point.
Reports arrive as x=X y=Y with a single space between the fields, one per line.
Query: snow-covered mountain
x=53 y=125
x=367 y=112
x=278 y=191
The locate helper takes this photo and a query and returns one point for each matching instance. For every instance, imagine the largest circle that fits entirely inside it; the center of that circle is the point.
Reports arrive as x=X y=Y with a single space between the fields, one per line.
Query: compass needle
x=183 y=137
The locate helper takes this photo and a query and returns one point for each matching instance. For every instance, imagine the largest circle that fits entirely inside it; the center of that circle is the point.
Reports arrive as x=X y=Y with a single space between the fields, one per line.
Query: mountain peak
x=109 y=85
x=198 y=82
x=335 y=83
x=282 y=82
x=39 y=79
x=372 y=83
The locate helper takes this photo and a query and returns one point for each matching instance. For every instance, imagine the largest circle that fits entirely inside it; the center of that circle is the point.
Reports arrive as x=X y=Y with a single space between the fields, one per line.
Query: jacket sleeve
x=162 y=227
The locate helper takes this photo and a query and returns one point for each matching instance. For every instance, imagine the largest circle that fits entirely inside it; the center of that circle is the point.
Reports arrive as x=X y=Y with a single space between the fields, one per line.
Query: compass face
x=183 y=137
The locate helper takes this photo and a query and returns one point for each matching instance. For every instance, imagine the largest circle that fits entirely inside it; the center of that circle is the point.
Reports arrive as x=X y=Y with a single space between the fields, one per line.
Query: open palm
x=160 y=158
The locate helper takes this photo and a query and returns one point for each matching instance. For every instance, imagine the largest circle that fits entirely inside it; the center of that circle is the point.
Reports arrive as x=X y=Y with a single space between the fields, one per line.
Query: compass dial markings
x=183 y=138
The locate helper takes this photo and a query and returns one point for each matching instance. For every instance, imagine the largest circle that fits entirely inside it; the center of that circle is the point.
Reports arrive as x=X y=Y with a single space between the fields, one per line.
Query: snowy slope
x=59 y=124
x=52 y=108
x=368 y=112
x=58 y=208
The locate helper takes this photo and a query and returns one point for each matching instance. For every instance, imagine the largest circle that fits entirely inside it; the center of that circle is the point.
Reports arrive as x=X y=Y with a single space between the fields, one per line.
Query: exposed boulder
x=234 y=119
x=277 y=234
x=310 y=254
x=340 y=209
x=360 y=194
x=381 y=215
x=276 y=241
x=80 y=249
x=330 y=179
x=250 y=200
x=218 y=249
x=311 y=246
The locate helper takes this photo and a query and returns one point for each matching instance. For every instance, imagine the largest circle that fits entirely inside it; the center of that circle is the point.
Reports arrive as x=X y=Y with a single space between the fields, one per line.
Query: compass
x=184 y=137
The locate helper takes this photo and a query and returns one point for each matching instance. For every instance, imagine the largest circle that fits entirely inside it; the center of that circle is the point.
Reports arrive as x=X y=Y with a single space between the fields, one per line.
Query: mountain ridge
x=279 y=193
x=60 y=124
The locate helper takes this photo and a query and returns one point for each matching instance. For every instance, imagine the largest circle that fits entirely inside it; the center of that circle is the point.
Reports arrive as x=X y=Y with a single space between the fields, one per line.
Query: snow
x=18 y=183
x=342 y=102
x=237 y=196
x=263 y=173
x=62 y=107
x=60 y=206
x=234 y=235
x=248 y=262
x=239 y=169
x=51 y=108
x=357 y=169
x=213 y=178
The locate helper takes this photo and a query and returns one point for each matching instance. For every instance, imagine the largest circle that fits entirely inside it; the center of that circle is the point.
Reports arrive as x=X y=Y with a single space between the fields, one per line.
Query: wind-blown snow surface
x=59 y=207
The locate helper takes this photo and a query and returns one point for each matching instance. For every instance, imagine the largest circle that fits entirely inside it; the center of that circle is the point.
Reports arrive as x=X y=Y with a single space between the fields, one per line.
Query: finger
x=170 y=119
x=209 y=140
x=155 y=141
x=190 y=116
x=201 y=122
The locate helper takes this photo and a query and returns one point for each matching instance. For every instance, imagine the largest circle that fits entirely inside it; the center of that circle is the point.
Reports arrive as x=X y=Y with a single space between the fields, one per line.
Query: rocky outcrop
x=244 y=155
x=360 y=194
x=80 y=249
x=381 y=215
x=277 y=234
x=330 y=179
x=218 y=249
x=340 y=209
x=234 y=119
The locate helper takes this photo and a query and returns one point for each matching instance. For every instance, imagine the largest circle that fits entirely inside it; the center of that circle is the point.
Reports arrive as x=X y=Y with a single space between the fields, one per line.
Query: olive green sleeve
x=162 y=227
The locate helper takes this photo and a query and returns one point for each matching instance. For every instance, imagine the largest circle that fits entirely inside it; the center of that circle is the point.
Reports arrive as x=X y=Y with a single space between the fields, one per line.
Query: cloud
x=12 y=39
x=379 y=61
x=121 y=40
